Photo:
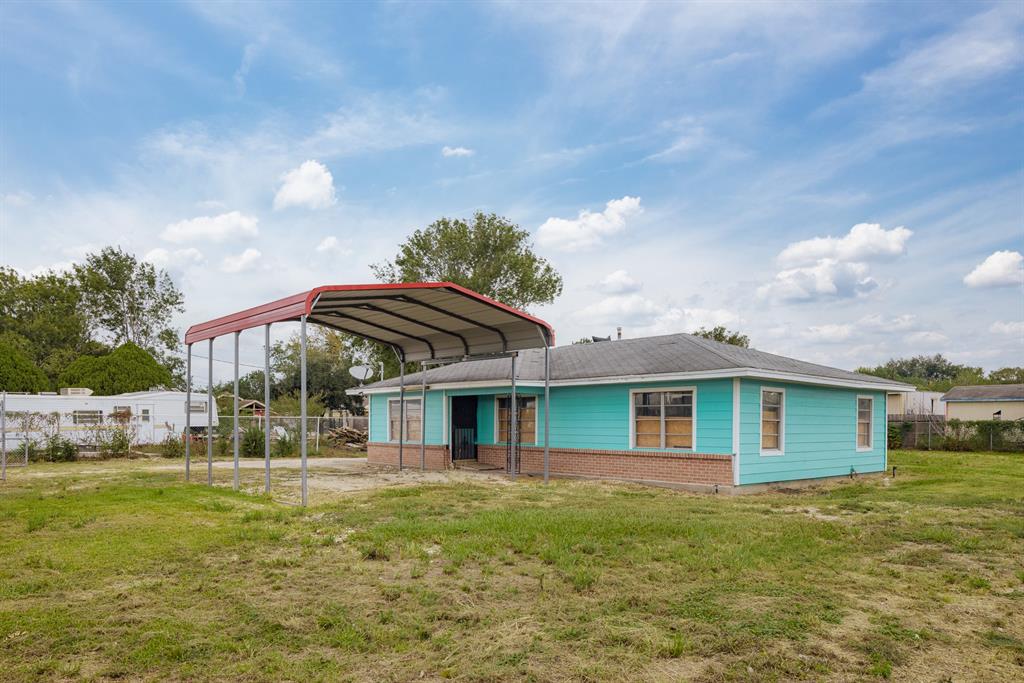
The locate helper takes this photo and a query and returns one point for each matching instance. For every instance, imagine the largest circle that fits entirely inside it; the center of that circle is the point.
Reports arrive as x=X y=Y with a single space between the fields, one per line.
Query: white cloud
x=19 y=198
x=589 y=229
x=231 y=225
x=173 y=260
x=620 y=282
x=828 y=279
x=58 y=267
x=865 y=242
x=899 y=323
x=641 y=316
x=310 y=185
x=457 y=151
x=1015 y=329
x=244 y=261
x=1001 y=269
x=927 y=339
x=332 y=245
x=830 y=333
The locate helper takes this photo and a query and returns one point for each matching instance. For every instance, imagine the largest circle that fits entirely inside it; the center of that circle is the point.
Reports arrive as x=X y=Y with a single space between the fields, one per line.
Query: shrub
x=172 y=446
x=252 y=441
x=60 y=449
x=115 y=442
x=286 y=445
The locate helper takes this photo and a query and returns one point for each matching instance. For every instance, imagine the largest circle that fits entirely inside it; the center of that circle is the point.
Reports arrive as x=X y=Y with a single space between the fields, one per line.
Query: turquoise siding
x=379 y=416
x=819 y=433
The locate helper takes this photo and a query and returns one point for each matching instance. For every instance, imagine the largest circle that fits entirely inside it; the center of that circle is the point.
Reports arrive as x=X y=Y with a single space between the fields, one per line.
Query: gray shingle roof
x=986 y=392
x=672 y=353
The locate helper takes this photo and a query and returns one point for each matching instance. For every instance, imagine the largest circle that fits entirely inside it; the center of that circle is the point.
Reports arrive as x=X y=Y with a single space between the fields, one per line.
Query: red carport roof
x=424 y=320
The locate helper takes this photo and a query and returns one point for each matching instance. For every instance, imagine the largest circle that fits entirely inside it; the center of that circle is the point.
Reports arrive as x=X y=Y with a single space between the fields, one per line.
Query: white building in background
x=153 y=414
x=915 y=402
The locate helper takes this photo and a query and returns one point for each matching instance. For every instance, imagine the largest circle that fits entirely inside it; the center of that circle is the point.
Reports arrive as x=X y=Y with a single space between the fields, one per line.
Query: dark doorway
x=464 y=428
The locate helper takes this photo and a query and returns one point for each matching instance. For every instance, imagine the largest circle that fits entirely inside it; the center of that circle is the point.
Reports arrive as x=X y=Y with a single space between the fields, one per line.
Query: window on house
x=526 y=416
x=663 y=419
x=412 y=420
x=122 y=413
x=772 y=406
x=145 y=414
x=197 y=407
x=864 y=420
x=87 y=417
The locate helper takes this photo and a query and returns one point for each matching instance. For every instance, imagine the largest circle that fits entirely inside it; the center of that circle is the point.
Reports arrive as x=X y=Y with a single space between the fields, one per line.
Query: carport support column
x=266 y=406
x=236 y=411
x=423 y=417
x=401 y=409
x=547 y=408
x=209 y=416
x=302 y=392
x=3 y=437
x=188 y=411
x=513 y=431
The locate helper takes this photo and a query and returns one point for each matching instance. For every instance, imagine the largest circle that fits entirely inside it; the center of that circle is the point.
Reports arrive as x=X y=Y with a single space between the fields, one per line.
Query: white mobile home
x=153 y=414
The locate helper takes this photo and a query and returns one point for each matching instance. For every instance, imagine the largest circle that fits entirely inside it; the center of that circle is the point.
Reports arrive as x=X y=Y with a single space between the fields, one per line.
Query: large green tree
x=329 y=355
x=720 y=334
x=489 y=254
x=131 y=301
x=17 y=371
x=933 y=373
x=127 y=368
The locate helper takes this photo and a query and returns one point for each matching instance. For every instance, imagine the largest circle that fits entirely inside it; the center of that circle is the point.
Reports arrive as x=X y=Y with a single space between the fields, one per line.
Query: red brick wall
x=676 y=468
x=387 y=454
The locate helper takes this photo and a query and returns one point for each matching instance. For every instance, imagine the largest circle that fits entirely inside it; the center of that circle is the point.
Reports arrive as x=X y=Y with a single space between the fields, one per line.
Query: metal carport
x=429 y=322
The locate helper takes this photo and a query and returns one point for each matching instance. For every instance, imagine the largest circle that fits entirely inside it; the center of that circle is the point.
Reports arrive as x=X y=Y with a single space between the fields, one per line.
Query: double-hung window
x=865 y=420
x=87 y=417
x=772 y=420
x=413 y=406
x=526 y=416
x=663 y=419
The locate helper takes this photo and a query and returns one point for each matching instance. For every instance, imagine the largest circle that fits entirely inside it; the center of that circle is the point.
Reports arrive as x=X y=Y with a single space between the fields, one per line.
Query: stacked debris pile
x=346 y=437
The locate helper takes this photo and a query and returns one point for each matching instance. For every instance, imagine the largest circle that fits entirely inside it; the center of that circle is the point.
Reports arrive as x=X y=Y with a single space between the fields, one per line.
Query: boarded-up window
x=663 y=419
x=771 y=420
x=413 y=407
x=527 y=418
x=864 y=418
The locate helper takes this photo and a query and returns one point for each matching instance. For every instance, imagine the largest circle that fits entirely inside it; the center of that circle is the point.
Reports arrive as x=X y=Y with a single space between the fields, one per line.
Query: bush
x=61 y=450
x=286 y=445
x=898 y=433
x=252 y=442
x=115 y=442
x=172 y=446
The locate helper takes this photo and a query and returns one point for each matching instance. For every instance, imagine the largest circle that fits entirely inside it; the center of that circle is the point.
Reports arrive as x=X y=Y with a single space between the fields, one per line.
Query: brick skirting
x=675 y=468
x=387 y=454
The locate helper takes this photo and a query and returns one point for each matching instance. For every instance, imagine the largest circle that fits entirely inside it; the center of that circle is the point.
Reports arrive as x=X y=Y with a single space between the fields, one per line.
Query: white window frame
x=197 y=407
x=77 y=415
x=781 y=450
x=393 y=438
x=632 y=419
x=536 y=419
x=871 y=425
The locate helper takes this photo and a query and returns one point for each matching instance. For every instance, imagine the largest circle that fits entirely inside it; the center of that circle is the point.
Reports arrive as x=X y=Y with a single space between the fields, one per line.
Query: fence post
x=317 y=447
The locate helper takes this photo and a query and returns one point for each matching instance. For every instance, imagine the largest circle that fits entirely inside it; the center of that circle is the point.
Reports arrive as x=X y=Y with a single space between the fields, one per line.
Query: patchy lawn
x=129 y=573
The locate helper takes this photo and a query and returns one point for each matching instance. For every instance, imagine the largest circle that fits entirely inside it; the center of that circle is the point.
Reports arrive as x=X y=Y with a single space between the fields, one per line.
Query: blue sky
x=841 y=181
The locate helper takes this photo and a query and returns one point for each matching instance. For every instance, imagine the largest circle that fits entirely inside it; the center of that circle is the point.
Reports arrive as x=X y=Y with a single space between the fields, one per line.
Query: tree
x=46 y=312
x=131 y=301
x=329 y=355
x=720 y=334
x=1007 y=376
x=933 y=373
x=127 y=368
x=17 y=371
x=491 y=256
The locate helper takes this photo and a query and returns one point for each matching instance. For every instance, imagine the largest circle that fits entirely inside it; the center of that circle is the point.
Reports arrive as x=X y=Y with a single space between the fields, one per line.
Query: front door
x=464 y=428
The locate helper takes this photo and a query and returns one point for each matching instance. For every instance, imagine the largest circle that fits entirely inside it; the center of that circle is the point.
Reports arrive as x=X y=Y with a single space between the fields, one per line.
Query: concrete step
x=475 y=465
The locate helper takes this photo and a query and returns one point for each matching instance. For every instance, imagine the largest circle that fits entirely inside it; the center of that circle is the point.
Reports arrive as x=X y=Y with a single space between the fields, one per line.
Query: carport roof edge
x=424 y=320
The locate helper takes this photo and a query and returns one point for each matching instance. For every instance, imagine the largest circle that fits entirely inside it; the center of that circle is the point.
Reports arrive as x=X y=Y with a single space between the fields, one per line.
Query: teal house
x=675 y=409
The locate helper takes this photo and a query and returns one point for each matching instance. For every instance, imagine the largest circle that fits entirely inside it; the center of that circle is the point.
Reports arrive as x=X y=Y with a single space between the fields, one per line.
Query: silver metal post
x=547 y=409
x=236 y=412
x=209 y=416
x=423 y=417
x=401 y=409
x=513 y=432
x=188 y=412
x=266 y=406
x=3 y=437
x=302 y=393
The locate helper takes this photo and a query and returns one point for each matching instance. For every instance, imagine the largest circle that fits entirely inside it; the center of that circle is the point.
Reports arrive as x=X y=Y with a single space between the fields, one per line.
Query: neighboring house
x=676 y=409
x=154 y=414
x=915 y=403
x=983 y=401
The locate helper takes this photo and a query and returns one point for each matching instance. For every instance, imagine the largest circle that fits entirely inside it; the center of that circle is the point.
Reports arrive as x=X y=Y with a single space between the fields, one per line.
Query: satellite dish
x=361 y=372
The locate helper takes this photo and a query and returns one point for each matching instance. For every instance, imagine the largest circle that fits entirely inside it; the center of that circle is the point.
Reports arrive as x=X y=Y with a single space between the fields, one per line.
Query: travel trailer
x=154 y=414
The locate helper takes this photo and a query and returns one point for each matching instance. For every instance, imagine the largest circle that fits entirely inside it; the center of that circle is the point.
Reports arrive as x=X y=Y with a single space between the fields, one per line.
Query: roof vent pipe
x=618 y=332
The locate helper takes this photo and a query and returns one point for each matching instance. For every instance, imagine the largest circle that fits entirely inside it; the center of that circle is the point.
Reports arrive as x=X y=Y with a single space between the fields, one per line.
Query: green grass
x=130 y=573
